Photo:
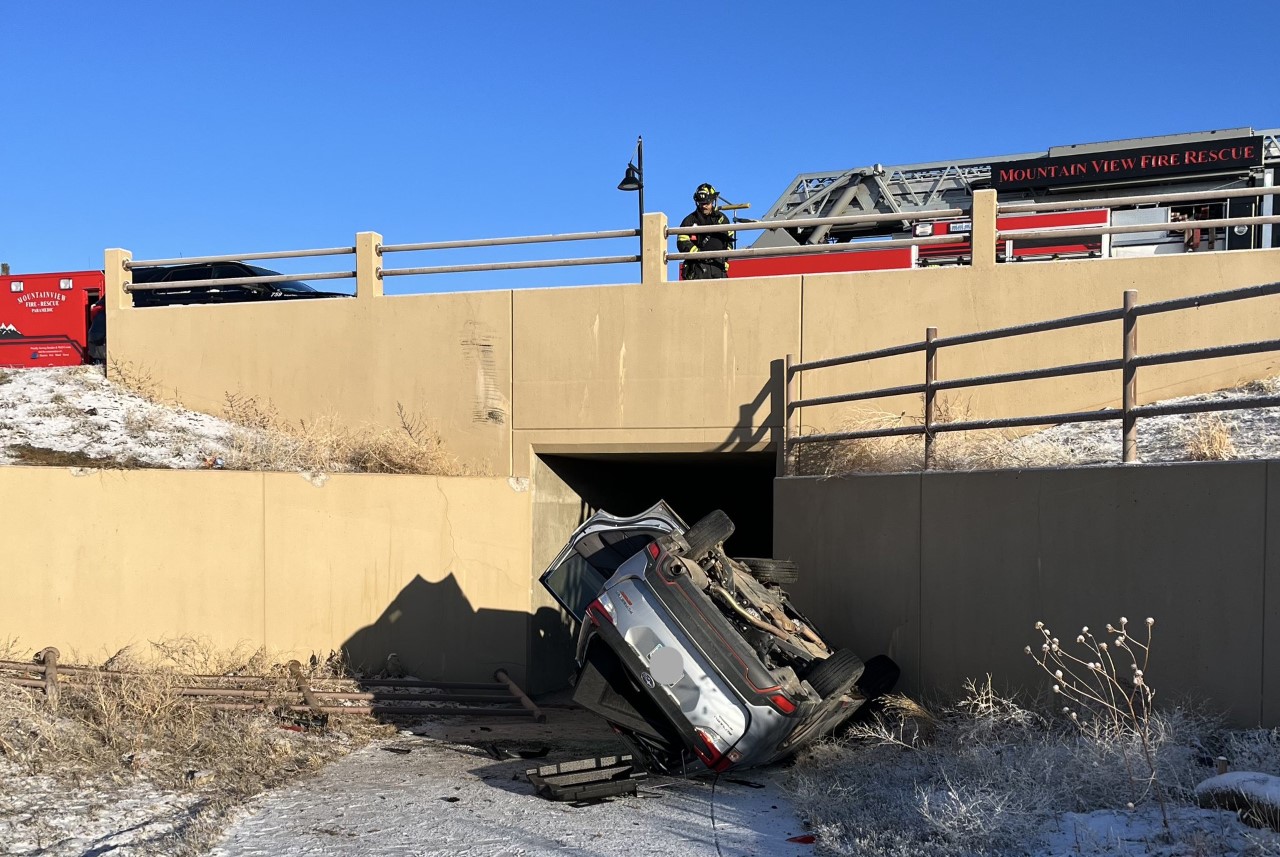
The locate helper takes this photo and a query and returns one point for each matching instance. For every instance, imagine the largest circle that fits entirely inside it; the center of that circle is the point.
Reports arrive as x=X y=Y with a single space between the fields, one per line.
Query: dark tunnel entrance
x=692 y=483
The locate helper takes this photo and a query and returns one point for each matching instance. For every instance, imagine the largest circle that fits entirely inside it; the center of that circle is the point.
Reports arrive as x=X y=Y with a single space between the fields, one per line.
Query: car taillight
x=783 y=704
x=710 y=753
x=603 y=607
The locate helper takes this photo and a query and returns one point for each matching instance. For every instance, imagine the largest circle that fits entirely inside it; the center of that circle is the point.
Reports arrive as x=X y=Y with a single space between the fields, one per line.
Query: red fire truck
x=44 y=318
x=1018 y=250
x=1202 y=161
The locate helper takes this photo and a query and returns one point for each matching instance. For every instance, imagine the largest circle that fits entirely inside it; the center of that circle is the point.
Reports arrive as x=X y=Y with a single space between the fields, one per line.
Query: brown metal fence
x=1129 y=363
x=319 y=695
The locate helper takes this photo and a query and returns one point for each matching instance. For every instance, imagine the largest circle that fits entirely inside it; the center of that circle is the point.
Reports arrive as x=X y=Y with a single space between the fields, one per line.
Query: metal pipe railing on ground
x=43 y=674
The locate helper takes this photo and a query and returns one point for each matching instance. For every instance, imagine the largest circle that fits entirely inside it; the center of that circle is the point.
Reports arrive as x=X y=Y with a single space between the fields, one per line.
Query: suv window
x=198 y=272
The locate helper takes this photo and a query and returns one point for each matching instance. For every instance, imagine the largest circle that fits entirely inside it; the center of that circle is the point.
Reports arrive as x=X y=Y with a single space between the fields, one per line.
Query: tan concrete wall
x=680 y=367
x=434 y=569
x=445 y=357
x=948 y=572
x=686 y=366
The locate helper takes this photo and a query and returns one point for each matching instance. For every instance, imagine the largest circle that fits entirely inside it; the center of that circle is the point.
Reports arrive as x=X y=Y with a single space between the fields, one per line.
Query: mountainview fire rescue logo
x=37 y=302
x=9 y=330
x=1152 y=162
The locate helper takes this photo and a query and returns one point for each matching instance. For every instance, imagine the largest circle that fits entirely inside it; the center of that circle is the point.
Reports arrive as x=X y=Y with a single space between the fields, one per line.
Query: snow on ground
x=40 y=817
x=1120 y=832
x=445 y=796
x=1254 y=433
x=76 y=409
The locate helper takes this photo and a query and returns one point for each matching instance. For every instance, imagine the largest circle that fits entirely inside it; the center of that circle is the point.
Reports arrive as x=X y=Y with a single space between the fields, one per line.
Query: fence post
x=368 y=265
x=983 y=236
x=784 y=439
x=653 y=248
x=930 y=377
x=1129 y=379
x=49 y=658
x=115 y=278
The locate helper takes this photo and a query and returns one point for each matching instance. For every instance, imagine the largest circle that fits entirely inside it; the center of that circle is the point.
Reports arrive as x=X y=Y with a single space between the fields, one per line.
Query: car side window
x=224 y=272
x=196 y=272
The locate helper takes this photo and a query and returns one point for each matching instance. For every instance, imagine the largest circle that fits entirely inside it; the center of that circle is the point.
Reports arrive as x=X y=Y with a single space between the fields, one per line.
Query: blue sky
x=196 y=128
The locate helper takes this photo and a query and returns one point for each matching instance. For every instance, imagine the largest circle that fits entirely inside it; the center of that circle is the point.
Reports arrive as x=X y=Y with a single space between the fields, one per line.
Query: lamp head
x=633 y=180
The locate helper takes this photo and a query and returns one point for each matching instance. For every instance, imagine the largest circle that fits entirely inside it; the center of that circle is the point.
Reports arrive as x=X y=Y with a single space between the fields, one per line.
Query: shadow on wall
x=437 y=636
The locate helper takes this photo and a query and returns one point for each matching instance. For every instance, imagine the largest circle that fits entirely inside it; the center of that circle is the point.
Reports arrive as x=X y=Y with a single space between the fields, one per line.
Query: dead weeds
x=1208 y=438
x=39 y=456
x=136 y=723
x=962 y=450
x=267 y=441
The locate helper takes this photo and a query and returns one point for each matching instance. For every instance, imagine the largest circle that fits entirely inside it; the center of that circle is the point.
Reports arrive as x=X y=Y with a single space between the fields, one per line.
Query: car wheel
x=835 y=674
x=707 y=533
x=879 y=676
x=780 y=571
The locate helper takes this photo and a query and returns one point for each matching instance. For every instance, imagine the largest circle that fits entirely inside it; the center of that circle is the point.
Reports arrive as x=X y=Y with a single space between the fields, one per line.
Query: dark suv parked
x=181 y=293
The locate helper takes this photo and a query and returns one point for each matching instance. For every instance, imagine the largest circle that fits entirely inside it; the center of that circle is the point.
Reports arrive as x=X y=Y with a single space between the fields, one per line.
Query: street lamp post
x=634 y=178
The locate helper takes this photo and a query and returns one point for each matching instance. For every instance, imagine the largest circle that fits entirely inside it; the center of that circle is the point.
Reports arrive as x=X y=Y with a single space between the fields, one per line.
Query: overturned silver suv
x=696 y=659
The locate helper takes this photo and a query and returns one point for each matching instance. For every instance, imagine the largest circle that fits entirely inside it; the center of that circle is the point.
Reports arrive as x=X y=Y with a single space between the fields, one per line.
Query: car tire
x=879 y=675
x=780 y=571
x=835 y=674
x=708 y=532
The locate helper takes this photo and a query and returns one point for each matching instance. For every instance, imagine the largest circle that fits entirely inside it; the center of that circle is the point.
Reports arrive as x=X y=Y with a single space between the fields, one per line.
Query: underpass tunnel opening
x=693 y=484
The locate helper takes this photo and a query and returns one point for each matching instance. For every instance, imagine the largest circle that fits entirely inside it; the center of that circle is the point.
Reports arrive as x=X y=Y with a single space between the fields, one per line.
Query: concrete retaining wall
x=948 y=572
x=434 y=569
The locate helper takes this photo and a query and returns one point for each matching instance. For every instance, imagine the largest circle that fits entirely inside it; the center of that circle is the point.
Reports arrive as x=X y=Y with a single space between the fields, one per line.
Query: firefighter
x=706 y=214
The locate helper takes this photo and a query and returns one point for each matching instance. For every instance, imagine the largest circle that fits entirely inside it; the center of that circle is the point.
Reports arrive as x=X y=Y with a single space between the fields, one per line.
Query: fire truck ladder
x=910 y=190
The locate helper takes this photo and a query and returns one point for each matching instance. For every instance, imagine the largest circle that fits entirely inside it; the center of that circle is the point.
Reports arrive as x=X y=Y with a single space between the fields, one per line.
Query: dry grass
x=39 y=456
x=135 y=378
x=988 y=775
x=136 y=725
x=5 y=376
x=964 y=450
x=1208 y=438
x=266 y=441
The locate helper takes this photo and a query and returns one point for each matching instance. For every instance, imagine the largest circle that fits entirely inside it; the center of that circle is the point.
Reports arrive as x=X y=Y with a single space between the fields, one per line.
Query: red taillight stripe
x=783 y=704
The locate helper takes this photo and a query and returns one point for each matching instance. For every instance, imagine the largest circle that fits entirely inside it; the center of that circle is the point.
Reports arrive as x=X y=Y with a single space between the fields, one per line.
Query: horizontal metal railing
x=808 y=249
x=134 y=264
x=1128 y=364
x=1148 y=199
x=1172 y=226
x=905 y=217
x=384 y=249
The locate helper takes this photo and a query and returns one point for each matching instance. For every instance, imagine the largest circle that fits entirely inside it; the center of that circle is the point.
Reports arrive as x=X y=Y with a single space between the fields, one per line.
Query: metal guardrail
x=318 y=696
x=240 y=257
x=808 y=249
x=1129 y=363
x=1149 y=199
x=384 y=249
